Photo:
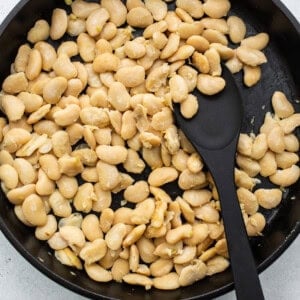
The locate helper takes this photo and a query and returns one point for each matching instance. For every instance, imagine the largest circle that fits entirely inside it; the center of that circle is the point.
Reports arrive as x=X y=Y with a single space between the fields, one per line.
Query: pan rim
x=35 y=262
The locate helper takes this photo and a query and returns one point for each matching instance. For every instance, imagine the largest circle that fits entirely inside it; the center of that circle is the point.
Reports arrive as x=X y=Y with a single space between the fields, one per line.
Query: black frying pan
x=283 y=223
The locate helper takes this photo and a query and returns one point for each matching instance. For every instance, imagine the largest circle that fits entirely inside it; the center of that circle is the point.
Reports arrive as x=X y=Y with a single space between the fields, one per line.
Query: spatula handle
x=247 y=284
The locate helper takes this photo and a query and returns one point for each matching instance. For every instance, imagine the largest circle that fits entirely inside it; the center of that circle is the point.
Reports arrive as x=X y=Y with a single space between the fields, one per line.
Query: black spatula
x=214 y=132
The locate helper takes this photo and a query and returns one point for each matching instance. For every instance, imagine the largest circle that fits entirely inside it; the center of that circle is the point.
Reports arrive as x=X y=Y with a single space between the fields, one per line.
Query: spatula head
x=219 y=118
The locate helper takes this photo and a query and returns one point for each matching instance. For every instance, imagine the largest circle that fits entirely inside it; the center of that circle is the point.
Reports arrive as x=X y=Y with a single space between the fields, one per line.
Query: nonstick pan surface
x=283 y=223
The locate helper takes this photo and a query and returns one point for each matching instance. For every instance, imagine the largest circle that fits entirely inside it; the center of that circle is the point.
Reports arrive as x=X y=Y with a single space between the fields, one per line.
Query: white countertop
x=19 y=280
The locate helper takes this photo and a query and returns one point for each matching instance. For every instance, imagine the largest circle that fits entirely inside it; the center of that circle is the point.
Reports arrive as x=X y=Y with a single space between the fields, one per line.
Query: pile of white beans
x=116 y=102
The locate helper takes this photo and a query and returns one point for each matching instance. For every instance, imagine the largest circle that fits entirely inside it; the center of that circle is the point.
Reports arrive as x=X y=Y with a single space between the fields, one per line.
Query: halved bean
x=83 y=200
x=183 y=15
x=137 y=192
x=215 y=36
x=251 y=57
x=137 y=279
x=188 y=180
x=187 y=255
x=67 y=116
x=82 y=9
x=118 y=96
x=13 y=107
x=207 y=213
x=175 y=235
x=56 y=242
x=183 y=53
x=167 y=251
x=258 y=41
x=86 y=47
x=119 y=269
x=15 y=83
x=178 y=88
x=97 y=273
x=187 y=30
x=112 y=154
x=291 y=123
x=216 y=24
x=31 y=101
x=216 y=264
x=192 y=273
x=44 y=186
x=68 y=257
x=114 y=237
x=161 y=267
x=139 y=17
x=255 y=224
x=15 y=138
x=54 y=89
x=259 y=146
x=109 y=176
x=210 y=85
x=18 y=194
x=242 y=179
x=131 y=76
x=173 y=21
x=161 y=176
x=281 y=105
x=248 y=199
x=169 y=281
x=268 y=198
x=27 y=173
x=237 y=29
x=252 y=75
x=34 y=210
x=286 y=177
x=199 y=233
x=291 y=143
x=250 y=166
x=158 y=9
x=134 y=49
x=216 y=8
x=234 y=64
x=64 y=67
x=214 y=62
x=6 y=158
x=47 y=231
x=60 y=205
x=275 y=139
x=134 y=235
x=200 y=43
x=197 y=197
x=9 y=176
x=193 y=7
x=286 y=159
x=171 y=47
x=146 y=249
x=94 y=251
x=143 y=212
x=73 y=236
x=268 y=164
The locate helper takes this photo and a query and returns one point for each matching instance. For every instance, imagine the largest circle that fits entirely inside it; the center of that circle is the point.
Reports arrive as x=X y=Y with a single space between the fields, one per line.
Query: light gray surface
x=19 y=280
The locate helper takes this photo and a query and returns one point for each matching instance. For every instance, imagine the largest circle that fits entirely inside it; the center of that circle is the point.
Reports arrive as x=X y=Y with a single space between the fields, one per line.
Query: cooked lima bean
x=75 y=132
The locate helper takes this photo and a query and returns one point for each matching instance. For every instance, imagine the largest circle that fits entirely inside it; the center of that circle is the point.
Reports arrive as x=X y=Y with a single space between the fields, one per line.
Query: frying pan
x=283 y=223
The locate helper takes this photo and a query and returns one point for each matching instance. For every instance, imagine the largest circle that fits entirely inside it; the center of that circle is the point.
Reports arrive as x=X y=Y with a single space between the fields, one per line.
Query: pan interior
x=282 y=222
